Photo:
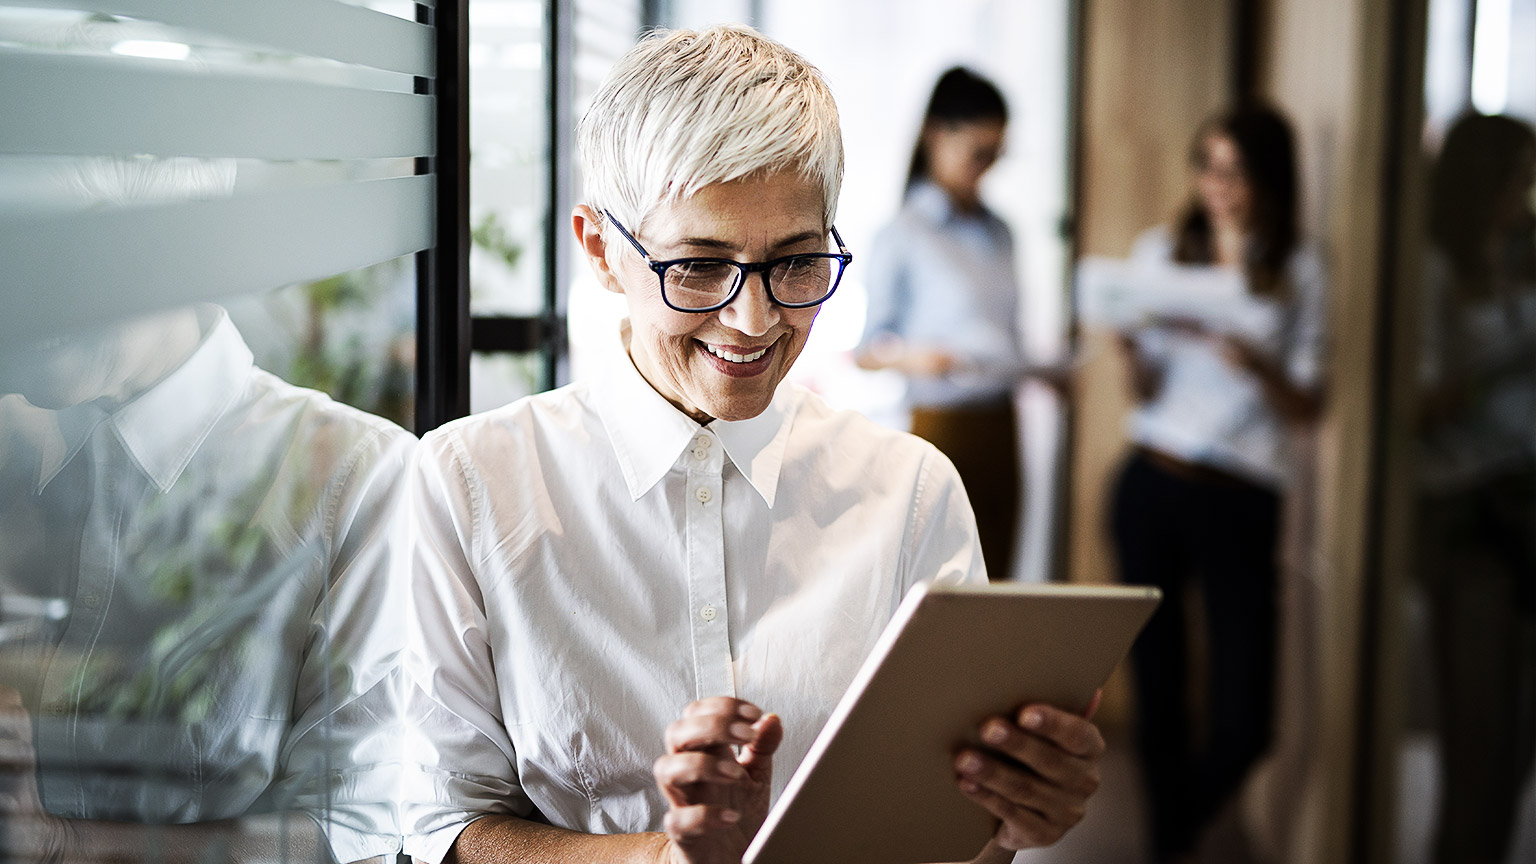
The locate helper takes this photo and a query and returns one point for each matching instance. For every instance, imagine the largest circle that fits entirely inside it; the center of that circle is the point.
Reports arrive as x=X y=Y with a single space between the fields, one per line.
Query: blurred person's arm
x=1144 y=377
x=884 y=345
x=1292 y=380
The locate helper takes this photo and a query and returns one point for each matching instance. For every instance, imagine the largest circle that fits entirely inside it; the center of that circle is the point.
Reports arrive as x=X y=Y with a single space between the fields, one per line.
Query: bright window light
x=1490 y=57
x=152 y=49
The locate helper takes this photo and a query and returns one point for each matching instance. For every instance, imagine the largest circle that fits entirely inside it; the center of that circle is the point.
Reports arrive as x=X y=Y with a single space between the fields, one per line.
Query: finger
x=1022 y=787
x=691 y=823
x=768 y=735
x=676 y=773
x=706 y=731
x=1074 y=734
x=757 y=757
x=1093 y=705
x=1076 y=774
x=1020 y=827
x=724 y=705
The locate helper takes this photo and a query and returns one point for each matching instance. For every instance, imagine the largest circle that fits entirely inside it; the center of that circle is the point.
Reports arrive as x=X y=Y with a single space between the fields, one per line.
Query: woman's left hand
x=717 y=798
x=1035 y=773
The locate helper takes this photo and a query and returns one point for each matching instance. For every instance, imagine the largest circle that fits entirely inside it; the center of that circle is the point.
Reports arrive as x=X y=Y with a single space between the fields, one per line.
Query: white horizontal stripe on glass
x=317 y=28
x=122 y=106
x=96 y=266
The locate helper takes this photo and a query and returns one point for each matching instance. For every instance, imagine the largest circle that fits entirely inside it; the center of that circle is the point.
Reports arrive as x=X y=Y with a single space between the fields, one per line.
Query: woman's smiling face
x=724 y=364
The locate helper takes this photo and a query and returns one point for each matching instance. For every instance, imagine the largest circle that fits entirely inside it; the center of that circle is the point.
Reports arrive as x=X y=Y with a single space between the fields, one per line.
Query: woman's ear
x=588 y=226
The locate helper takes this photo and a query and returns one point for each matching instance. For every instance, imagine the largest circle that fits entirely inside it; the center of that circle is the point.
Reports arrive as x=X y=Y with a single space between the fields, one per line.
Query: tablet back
x=878 y=784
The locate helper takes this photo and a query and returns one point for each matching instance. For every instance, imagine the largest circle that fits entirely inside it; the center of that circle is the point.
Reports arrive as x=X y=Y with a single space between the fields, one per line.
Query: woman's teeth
x=736 y=358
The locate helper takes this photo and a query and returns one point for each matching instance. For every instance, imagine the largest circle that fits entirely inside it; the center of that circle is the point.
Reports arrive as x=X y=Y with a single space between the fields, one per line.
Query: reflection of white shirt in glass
x=220 y=545
x=590 y=560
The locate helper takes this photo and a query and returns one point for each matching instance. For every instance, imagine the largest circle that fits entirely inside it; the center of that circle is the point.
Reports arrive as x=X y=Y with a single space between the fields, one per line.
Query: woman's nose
x=751 y=313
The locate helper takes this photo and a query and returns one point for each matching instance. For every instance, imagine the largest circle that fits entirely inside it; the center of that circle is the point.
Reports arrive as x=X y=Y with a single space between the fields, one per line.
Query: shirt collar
x=648 y=432
x=932 y=203
x=163 y=427
x=53 y=437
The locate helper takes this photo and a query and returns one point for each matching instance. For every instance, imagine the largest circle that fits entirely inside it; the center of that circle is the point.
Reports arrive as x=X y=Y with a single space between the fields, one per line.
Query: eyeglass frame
x=743 y=270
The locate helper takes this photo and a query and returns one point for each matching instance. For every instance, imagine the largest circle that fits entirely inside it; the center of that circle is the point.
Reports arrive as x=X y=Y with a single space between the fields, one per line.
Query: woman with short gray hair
x=638 y=598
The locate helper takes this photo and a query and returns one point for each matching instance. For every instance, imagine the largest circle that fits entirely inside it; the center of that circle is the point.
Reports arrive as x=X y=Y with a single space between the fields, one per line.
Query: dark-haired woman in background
x=1197 y=506
x=944 y=303
x=1477 y=479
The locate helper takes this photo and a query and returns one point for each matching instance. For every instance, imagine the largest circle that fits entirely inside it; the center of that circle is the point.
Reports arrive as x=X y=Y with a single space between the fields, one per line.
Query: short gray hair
x=685 y=109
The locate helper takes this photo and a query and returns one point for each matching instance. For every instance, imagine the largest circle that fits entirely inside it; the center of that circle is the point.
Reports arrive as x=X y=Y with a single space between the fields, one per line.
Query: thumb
x=770 y=734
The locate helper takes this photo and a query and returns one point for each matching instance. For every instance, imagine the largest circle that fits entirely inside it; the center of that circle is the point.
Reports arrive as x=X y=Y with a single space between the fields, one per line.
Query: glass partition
x=197 y=476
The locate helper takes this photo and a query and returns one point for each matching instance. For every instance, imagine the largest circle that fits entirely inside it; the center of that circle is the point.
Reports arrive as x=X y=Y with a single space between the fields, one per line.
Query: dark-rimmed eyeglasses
x=706 y=284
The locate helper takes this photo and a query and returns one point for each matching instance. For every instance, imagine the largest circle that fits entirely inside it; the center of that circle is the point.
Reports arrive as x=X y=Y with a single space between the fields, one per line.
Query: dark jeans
x=1194 y=530
x=1477 y=552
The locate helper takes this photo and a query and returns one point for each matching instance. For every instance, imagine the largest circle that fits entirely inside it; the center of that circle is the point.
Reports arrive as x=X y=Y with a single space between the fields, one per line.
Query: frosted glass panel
x=69 y=104
x=198 y=621
x=346 y=32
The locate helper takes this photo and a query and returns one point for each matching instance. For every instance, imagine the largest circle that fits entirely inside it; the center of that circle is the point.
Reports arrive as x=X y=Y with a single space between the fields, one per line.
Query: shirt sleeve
x=886 y=286
x=1153 y=248
x=943 y=545
x=339 y=762
x=460 y=761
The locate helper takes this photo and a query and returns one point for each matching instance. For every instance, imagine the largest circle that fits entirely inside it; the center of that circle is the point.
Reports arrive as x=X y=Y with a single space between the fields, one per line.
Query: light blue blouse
x=942 y=278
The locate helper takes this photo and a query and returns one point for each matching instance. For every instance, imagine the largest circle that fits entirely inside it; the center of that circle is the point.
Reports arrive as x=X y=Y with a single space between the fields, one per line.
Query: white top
x=590 y=560
x=1211 y=412
x=185 y=555
x=942 y=278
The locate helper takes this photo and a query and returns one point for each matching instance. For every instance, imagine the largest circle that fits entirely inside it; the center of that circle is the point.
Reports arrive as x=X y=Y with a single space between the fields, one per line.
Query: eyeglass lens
x=701 y=284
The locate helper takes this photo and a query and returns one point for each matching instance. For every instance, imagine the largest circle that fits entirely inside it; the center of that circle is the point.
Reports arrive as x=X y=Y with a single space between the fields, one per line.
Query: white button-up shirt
x=199 y=614
x=591 y=560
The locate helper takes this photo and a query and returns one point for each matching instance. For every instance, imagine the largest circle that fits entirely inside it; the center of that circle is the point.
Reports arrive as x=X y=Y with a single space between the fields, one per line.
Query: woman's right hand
x=718 y=799
x=1143 y=378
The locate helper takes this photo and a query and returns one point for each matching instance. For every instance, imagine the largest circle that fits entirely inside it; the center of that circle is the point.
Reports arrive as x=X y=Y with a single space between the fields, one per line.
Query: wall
x=1151 y=73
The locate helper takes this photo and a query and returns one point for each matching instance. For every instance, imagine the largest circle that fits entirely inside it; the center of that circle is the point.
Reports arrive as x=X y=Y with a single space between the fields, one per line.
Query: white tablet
x=878 y=784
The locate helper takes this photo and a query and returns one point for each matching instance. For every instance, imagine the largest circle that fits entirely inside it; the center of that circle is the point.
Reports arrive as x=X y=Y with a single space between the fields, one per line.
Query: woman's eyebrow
x=716 y=244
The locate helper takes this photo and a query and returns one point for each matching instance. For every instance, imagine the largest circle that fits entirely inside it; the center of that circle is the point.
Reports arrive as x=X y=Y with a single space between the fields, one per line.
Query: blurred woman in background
x=944 y=305
x=1477 y=480
x=1197 y=506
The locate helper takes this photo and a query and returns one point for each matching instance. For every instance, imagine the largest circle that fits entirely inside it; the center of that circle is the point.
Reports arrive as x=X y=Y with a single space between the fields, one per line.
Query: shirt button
x=702 y=442
x=90 y=599
x=703 y=494
x=700 y=453
x=708 y=613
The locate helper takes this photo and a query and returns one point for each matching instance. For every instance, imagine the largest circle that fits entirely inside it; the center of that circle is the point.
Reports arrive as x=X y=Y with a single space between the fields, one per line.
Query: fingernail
x=970 y=763
x=741 y=730
x=1033 y=720
x=969 y=786
x=732 y=769
x=729 y=816
x=749 y=712
x=994 y=733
